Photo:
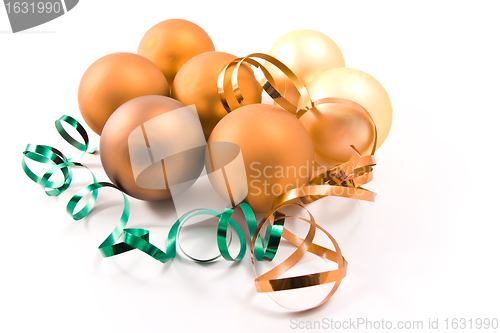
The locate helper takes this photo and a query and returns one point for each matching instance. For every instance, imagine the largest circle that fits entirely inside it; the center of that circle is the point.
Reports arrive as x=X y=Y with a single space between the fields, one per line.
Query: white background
x=427 y=248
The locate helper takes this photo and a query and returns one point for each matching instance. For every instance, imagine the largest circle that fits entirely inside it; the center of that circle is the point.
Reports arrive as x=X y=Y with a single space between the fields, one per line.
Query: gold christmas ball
x=334 y=127
x=196 y=83
x=276 y=149
x=150 y=145
x=171 y=43
x=307 y=53
x=359 y=87
x=114 y=79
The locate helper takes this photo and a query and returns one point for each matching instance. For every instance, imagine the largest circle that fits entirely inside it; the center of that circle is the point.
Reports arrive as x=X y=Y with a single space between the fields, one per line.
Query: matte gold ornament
x=359 y=87
x=307 y=53
x=276 y=148
x=171 y=43
x=113 y=80
x=150 y=144
x=196 y=83
x=334 y=127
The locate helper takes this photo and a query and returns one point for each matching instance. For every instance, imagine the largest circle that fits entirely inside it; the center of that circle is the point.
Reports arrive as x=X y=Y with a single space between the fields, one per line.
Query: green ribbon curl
x=132 y=238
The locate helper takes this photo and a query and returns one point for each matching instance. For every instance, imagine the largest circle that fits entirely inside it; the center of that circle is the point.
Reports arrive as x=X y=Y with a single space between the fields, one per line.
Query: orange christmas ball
x=171 y=43
x=334 y=127
x=141 y=150
x=113 y=80
x=196 y=83
x=276 y=148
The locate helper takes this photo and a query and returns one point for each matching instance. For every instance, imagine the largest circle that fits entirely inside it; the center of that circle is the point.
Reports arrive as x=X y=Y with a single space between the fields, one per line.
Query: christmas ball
x=171 y=43
x=151 y=144
x=307 y=53
x=334 y=127
x=196 y=84
x=113 y=80
x=276 y=149
x=359 y=87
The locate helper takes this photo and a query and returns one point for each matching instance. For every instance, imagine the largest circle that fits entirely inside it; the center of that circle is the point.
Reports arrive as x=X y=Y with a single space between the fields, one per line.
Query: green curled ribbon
x=139 y=238
x=84 y=147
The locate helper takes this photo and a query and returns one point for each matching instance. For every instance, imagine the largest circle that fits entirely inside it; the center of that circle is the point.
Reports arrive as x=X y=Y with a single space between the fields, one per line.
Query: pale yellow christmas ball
x=307 y=53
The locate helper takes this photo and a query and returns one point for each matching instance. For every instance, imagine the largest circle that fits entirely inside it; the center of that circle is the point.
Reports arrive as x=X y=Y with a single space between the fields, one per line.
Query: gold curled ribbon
x=271 y=281
x=343 y=180
x=228 y=77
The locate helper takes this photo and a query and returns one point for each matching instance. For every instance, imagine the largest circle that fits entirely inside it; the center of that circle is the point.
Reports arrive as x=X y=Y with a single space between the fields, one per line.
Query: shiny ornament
x=113 y=80
x=196 y=83
x=150 y=144
x=359 y=87
x=307 y=53
x=277 y=151
x=334 y=127
x=171 y=43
